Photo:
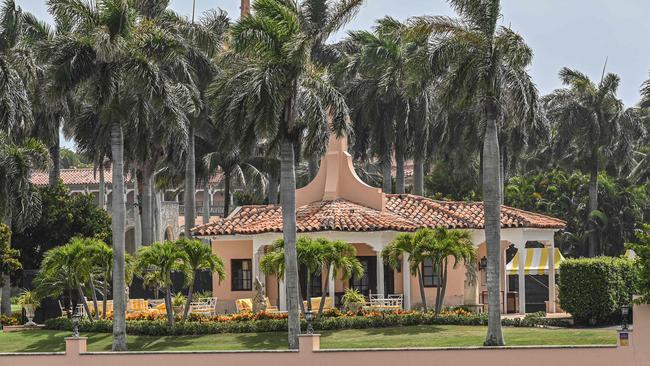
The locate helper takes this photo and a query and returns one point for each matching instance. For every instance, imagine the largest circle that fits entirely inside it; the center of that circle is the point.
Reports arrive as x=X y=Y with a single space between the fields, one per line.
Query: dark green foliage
x=71 y=159
x=623 y=207
x=160 y=328
x=642 y=263
x=445 y=182
x=63 y=218
x=594 y=289
x=8 y=256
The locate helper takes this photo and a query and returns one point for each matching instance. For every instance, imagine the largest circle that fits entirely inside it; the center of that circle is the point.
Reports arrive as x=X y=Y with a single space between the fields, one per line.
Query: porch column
x=380 y=274
x=521 y=249
x=506 y=285
x=406 y=282
x=331 y=284
x=283 y=294
x=551 y=276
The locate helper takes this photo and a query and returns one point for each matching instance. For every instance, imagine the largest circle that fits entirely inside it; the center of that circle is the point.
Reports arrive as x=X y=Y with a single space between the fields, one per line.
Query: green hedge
x=594 y=289
x=159 y=327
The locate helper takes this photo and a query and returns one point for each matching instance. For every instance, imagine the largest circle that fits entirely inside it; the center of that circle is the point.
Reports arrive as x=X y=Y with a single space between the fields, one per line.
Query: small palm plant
x=353 y=300
x=29 y=300
x=156 y=264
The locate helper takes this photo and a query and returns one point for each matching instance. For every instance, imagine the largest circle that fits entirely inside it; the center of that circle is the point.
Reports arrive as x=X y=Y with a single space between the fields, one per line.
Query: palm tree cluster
x=171 y=101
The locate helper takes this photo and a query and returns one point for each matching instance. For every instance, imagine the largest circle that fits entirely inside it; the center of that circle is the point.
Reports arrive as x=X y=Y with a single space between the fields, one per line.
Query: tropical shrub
x=594 y=289
x=642 y=264
x=8 y=256
x=63 y=217
x=8 y=320
x=353 y=300
x=623 y=207
x=274 y=322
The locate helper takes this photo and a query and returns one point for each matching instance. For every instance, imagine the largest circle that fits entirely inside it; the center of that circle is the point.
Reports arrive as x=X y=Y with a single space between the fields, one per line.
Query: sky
x=580 y=34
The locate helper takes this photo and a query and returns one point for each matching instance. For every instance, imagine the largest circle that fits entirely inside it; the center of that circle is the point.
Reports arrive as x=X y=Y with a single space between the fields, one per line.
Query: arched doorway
x=169 y=234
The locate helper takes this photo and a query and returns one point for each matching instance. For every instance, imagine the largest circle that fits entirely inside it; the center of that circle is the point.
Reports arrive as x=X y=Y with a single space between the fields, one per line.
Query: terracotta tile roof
x=403 y=213
x=79 y=176
x=87 y=176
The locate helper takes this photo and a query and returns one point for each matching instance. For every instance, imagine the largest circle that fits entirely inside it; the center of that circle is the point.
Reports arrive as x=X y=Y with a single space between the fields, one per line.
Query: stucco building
x=337 y=205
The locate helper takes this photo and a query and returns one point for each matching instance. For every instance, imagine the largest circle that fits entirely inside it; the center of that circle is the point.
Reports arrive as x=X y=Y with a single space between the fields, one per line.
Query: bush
x=13 y=319
x=270 y=322
x=642 y=264
x=593 y=290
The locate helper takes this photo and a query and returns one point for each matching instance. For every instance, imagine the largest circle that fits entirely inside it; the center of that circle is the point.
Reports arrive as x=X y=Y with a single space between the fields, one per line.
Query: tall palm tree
x=276 y=91
x=199 y=258
x=591 y=130
x=20 y=202
x=485 y=64
x=112 y=55
x=159 y=261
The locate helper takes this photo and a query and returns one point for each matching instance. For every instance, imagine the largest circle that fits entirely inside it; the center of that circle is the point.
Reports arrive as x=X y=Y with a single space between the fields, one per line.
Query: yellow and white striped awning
x=537 y=260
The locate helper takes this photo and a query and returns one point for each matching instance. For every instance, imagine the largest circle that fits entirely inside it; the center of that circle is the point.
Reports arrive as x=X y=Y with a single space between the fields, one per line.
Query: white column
x=283 y=295
x=380 y=274
x=256 y=265
x=331 y=284
x=406 y=282
x=504 y=258
x=521 y=249
x=551 y=276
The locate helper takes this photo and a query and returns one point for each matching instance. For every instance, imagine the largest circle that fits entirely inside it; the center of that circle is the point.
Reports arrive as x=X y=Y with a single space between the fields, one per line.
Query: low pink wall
x=637 y=353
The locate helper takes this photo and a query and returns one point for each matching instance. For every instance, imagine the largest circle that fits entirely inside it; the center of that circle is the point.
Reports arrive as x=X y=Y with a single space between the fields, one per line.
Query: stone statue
x=259 y=301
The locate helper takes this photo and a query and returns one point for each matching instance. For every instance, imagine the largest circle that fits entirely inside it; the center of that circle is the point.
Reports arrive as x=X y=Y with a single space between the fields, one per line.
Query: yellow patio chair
x=243 y=305
x=315 y=304
x=270 y=308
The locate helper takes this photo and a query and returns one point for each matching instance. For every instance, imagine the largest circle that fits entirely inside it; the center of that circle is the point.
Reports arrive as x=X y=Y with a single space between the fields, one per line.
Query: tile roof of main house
x=86 y=176
x=403 y=213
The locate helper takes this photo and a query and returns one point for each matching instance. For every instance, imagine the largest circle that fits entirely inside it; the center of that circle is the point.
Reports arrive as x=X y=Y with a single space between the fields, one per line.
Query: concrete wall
x=637 y=353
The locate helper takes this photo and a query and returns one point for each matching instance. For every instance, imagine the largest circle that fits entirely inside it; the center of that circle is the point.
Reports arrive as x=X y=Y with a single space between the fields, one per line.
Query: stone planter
x=178 y=310
x=30 y=309
x=355 y=307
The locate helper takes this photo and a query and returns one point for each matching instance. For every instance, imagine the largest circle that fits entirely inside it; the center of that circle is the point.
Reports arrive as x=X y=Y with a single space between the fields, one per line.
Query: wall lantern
x=482 y=264
x=625 y=311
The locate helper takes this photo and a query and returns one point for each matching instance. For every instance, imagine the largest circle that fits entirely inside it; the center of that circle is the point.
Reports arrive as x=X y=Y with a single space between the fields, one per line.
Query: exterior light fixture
x=482 y=264
x=625 y=311
x=309 y=317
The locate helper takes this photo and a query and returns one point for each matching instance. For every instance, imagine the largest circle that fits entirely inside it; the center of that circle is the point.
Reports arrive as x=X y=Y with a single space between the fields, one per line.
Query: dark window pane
x=242 y=274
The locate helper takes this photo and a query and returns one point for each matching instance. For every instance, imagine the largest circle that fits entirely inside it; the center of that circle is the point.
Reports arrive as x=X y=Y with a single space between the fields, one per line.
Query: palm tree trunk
x=101 y=200
x=245 y=7
x=387 y=183
x=442 y=286
x=206 y=203
x=118 y=225
x=593 y=206
x=226 y=193
x=418 y=177
x=502 y=173
x=55 y=155
x=438 y=290
x=399 y=174
x=313 y=167
x=273 y=189
x=157 y=215
x=147 y=205
x=288 y=202
x=323 y=297
x=94 y=292
x=492 y=207
x=105 y=298
x=190 y=183
x=308 y=291
x=423 y=296
x=168 y=306
x=190 y=292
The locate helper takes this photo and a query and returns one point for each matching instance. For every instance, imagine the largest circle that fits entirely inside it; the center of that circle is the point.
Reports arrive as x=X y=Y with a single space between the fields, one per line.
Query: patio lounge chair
x=315 y=304
x=243 y=305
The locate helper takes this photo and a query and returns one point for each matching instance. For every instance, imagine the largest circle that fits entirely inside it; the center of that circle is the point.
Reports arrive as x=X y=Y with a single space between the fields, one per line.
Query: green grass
x=416 y=336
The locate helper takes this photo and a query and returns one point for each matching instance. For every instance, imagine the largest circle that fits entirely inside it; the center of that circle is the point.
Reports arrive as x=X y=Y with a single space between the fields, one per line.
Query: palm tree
x=157 y=262
x=591 y=131
x=340 y=261
x=439 y=245
x=406 y=244
x=112 y=56
x=20 y=202
x=485 y=64
x=199 y=258
x=101 y=257
x=276 y=91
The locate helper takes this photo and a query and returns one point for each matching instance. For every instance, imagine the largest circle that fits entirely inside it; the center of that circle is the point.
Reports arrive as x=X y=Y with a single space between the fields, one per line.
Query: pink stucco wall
x=637 y=353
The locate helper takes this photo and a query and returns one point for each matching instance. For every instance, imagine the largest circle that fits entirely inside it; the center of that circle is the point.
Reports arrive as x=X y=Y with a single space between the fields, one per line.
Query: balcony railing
x=215 y=210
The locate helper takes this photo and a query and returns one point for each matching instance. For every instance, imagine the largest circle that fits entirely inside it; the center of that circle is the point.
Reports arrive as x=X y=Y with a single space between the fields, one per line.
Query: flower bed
x=148 y=324
x=13 y=319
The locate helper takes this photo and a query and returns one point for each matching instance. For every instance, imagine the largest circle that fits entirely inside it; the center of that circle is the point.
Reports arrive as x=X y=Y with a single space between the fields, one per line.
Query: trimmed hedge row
x=159 y=327
x=594 y=289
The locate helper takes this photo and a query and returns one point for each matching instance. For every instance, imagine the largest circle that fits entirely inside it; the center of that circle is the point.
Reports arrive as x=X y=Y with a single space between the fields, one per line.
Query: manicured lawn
x=416 y=336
